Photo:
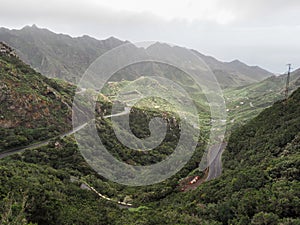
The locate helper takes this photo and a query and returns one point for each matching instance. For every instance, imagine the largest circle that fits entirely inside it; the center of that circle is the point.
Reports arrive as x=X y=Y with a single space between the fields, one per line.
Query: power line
x=288 y=81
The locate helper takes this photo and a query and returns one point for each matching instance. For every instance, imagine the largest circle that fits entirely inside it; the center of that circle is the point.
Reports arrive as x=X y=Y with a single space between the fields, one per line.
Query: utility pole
x=288 y=81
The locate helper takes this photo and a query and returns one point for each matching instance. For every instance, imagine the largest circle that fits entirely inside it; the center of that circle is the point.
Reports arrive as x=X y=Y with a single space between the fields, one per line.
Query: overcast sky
x=257 y=32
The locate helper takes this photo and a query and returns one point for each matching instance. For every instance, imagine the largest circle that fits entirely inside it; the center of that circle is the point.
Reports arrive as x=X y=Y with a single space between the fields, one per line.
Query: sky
x=258 y=32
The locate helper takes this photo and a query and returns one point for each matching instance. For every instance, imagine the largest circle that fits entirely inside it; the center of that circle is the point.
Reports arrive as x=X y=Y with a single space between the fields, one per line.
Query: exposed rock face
x=6 y=50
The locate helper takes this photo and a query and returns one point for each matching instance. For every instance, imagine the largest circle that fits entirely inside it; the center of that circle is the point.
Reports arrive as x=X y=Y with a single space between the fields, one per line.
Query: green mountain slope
x=244 y=103
x=56 y=55
x=33 y=107
x=260 y=184
x=267 y=136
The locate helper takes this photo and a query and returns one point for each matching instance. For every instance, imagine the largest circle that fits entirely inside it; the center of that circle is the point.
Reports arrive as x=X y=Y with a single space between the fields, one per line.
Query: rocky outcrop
x=6 y=50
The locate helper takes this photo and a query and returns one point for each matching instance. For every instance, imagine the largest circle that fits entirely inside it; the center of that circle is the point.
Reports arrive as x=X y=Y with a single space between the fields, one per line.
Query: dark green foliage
x=260 y=183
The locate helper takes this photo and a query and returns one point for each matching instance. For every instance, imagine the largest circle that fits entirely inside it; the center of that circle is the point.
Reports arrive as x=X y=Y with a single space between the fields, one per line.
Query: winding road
x=125 y=112
x=39 y=144
x=215 y=168
x=46 y=142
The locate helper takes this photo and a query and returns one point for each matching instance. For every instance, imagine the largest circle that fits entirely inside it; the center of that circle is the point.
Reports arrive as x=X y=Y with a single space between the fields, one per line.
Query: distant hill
x=32 y=107
x=235 y=73
x=62 y=56
x=244 y=103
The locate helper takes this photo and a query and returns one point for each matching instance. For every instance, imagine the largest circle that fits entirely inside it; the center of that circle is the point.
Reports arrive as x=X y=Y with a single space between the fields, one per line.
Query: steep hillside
x=274 y=133
x=56 y=55
x=33 y=107
x=260 y=184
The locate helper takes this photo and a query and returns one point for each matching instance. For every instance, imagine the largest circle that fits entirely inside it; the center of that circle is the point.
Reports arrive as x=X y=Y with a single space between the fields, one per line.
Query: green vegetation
x=260 y=183
x=56 y=55
x=33 y=107
x=244 y=103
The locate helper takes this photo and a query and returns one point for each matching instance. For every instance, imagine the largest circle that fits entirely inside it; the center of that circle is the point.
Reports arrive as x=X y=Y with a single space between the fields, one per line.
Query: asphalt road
x=215 y=168
x=37 y=145
x=43 y=143
x=46 y=142
x=126 y=111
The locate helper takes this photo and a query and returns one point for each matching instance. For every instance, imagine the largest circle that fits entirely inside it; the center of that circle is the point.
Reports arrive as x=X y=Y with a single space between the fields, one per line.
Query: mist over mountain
x=65 y=57
x=234 y=73
x=48 y=184
x=56 y=55
x=45 y=180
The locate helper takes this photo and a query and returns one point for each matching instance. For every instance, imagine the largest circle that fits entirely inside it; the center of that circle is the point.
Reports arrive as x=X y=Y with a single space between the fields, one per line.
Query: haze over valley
x=115 y=131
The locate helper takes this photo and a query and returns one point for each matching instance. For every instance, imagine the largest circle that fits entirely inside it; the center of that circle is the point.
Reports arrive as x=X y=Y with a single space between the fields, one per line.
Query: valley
x=253 y=175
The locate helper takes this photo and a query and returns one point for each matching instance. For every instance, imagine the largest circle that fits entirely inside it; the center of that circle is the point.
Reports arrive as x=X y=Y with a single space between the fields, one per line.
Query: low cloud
x=264 y=33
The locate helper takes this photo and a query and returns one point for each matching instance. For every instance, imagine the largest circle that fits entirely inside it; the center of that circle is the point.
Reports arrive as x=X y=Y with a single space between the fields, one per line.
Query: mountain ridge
x=56 y=55
x=66 y=57
x=235 y=69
